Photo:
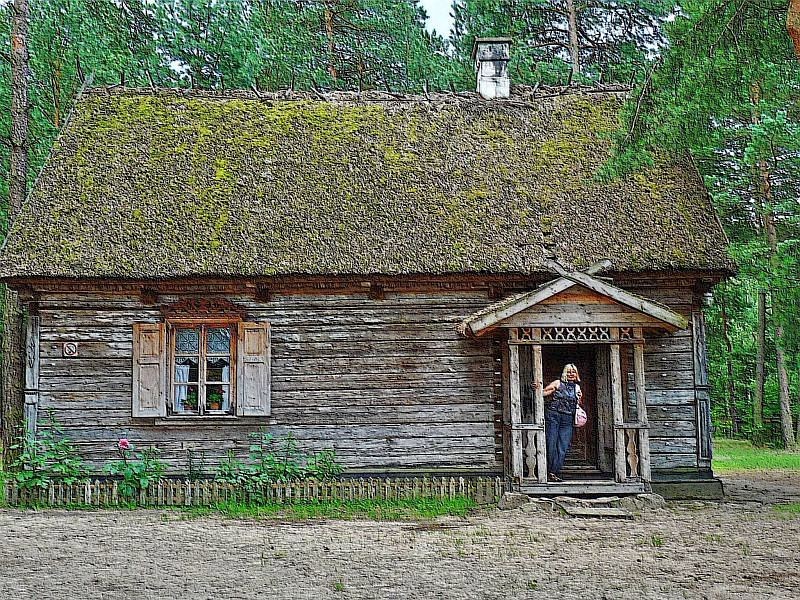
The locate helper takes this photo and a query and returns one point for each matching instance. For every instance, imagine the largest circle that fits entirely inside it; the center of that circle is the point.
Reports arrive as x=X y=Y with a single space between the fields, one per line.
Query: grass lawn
x=741 y=455
x=377 y=510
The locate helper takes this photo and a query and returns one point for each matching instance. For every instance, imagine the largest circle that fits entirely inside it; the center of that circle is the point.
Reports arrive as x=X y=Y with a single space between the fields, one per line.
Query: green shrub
x=47 y=457
x=137 y=469
x=272 y=461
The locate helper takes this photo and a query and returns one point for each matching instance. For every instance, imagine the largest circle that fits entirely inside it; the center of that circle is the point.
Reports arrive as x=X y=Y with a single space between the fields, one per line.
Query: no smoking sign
x=70 y=349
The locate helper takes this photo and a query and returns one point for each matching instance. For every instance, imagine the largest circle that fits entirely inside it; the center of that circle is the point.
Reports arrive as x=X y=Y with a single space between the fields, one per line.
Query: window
x=201 y=368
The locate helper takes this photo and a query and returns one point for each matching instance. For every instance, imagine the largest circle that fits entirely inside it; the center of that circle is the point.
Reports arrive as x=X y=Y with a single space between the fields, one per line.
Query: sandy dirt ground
x=742 y=548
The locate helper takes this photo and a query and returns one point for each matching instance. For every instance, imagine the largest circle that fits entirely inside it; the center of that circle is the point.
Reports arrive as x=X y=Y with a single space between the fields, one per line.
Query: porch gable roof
x=495 y=314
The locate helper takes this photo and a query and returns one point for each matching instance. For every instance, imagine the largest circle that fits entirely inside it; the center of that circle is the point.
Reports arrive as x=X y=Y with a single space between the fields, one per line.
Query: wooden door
x=583 y=450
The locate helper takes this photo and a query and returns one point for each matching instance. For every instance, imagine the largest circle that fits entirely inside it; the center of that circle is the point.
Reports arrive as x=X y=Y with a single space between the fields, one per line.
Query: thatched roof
x=156 y=184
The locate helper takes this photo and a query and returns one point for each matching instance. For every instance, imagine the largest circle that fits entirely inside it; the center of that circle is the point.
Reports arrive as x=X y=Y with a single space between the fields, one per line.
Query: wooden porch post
x=516 y=413
x=641 y=411
x=538 y=416
x=620 y=463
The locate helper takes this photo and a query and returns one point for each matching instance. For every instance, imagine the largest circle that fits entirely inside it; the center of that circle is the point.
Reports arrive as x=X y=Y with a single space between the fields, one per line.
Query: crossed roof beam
x=492 y=316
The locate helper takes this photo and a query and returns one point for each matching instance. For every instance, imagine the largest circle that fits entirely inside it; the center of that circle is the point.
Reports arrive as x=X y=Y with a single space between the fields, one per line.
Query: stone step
x=599 y=512
x=565 y=504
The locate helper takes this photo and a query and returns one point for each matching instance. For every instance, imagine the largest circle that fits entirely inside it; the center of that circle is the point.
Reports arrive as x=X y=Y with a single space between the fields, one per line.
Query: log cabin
x=379 y=274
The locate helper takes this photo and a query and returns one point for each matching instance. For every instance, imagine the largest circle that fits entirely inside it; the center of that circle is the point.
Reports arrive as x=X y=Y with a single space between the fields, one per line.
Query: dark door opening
x=582 y=454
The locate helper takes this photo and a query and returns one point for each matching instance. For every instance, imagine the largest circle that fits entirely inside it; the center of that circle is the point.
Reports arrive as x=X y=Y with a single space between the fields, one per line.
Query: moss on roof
x=153 y=184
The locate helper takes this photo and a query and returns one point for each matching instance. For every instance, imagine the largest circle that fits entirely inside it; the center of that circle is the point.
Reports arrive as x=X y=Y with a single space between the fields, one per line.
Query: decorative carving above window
x=626 y=333
x=204 y=308
x=576 y=334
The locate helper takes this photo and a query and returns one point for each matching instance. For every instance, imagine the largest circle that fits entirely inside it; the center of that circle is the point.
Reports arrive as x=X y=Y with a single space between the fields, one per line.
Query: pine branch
x=727 y=27
x=645 y=88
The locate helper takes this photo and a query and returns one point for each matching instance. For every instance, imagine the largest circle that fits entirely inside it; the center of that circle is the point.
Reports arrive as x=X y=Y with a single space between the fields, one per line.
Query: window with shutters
x=201 y=368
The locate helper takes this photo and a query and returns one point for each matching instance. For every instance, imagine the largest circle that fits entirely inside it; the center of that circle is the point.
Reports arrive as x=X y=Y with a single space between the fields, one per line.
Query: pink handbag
x=580 y=417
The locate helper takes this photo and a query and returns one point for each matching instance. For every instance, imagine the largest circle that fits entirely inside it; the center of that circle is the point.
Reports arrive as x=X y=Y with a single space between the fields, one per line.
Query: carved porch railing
x=631 y=439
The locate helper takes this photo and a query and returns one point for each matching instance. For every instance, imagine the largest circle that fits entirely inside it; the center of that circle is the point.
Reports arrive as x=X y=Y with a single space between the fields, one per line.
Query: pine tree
x=727 y=91
x=556 y=41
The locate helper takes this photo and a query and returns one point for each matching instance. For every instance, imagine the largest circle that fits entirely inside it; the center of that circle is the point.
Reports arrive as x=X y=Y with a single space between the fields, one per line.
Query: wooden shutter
x=149 y=370
x=253 y=370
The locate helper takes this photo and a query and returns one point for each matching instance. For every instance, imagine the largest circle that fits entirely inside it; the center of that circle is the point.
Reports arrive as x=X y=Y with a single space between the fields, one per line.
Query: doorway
x=582 y=454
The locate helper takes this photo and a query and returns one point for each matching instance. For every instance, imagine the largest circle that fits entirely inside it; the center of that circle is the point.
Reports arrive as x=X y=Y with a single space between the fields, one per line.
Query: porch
x=579 y=319
x=614 y=448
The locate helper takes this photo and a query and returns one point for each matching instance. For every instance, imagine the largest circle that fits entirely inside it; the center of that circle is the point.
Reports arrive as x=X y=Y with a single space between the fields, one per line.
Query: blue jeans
x=558 y=432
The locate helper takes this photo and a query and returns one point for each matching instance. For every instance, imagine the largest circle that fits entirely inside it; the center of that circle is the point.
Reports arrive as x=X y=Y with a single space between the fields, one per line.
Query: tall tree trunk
x=329 y=32
x=731 y=404
x=766 y=196
x=574 y=46
x=758 y=396
x=787 y=428
x=11 y=371
x=20 y=15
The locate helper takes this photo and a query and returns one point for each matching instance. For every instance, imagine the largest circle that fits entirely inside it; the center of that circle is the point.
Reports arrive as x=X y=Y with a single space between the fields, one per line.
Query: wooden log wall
x=670 y=381
x=388 y=383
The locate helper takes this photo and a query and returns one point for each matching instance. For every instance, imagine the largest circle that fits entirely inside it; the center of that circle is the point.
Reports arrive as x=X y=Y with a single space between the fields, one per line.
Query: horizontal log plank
x=119 y=414
x=670 y=412
x=299 y=334
x=673 y=445
x=672 y=428
x=658 y=397
x=667 y=344
x=281 y=316
x=672 y=461
x=292 y=365
x=397 y=396
x=183 y=431
x=425 y=463
x=306 y=381
x=178 y=454
x=678 y=361
x=340 y=349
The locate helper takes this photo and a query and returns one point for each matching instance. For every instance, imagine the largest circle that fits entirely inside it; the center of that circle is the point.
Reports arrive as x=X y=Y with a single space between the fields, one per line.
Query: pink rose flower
x=123 y=444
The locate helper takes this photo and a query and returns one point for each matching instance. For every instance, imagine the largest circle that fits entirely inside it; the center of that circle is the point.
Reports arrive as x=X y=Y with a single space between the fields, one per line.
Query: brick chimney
x=491 y=56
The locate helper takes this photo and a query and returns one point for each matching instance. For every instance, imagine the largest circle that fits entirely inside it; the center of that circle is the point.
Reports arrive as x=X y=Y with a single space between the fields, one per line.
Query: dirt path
x=741 y=548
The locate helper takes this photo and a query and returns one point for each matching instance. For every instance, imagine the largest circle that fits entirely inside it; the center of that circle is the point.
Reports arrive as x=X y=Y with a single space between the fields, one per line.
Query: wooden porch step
x=581 y=488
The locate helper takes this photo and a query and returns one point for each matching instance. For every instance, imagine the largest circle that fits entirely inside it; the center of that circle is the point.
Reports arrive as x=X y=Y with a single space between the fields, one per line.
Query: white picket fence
x=168 y=492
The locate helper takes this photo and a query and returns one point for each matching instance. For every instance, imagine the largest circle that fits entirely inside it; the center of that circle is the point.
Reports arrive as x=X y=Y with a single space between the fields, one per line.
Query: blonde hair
x=567 y=368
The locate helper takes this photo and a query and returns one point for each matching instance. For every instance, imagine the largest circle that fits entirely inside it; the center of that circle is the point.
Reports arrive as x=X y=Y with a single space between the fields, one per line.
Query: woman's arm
x=552 y=387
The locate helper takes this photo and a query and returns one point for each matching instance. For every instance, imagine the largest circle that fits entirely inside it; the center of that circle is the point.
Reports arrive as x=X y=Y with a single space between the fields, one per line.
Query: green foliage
x=741 y=455
x=272 y=461
x=3 y=478
x=790 y=508
x=48 y=457
x=616 y=37
x=377 y=510
x=196 y=463
x=727 y=92
x=138 y=469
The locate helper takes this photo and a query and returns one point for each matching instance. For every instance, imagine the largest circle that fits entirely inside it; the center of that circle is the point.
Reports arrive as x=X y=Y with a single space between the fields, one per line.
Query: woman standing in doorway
x=559 y=418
